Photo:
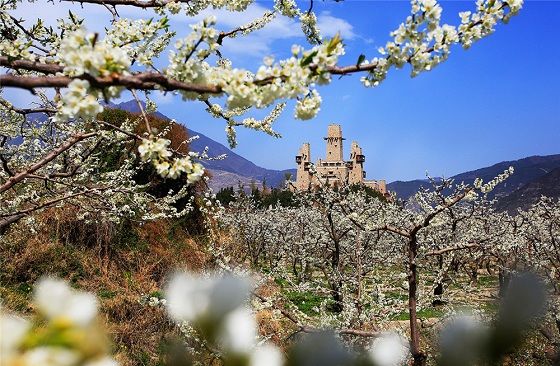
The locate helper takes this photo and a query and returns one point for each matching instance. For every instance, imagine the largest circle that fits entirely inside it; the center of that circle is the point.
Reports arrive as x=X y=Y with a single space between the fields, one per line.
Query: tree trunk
x=418 y=356
x=503 y=279
x=336 y=282
x=438 y=290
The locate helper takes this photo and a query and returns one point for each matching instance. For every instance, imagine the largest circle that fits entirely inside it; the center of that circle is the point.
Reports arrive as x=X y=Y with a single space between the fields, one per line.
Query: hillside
x=547 y=185
x=227 y=172
x=534 y=176
x=527 y=170
x=405 y=189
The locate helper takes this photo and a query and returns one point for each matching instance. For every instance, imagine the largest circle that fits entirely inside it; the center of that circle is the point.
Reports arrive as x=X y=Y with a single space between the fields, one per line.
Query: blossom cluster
x=307 y=18
x=15 y=49
x=82 y=53
x=423 y=42
x=488 y=187
x=188 y=63
x=286 y=79
x=217 y=307
x=139 y=38
x=78 y=102
x=65 y=332
x=308 y=106
x=256 y=24
x=157 y=151
x=194 y=7
x=265 y=124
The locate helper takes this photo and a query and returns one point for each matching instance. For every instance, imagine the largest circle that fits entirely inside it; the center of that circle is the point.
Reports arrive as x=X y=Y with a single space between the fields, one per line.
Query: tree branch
x=135 y=3
x=142 y=81
x=45 y=160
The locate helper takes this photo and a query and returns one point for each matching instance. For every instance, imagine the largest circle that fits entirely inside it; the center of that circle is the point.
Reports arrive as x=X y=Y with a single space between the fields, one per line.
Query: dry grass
x=118 y=264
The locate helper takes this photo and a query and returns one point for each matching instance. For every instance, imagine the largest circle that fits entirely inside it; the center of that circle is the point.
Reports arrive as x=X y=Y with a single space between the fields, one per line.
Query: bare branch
x=142 y=81
x=18 y=177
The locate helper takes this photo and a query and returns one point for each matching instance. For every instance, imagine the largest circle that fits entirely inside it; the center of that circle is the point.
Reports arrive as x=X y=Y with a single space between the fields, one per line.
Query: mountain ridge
x=532 y=177
x=224 y=171
x=547 y=185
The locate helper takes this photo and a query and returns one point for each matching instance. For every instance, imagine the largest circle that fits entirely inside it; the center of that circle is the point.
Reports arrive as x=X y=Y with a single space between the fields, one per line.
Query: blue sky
x=498 y=101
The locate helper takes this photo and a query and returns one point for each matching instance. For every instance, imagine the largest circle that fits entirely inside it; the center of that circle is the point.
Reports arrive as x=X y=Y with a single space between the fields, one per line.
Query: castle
x=334 y=171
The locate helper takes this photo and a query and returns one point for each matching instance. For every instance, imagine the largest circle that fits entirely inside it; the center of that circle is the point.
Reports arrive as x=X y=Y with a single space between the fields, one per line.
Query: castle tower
x=334 y=143
x=357 y=173
x=303 y=160
x=334 y=170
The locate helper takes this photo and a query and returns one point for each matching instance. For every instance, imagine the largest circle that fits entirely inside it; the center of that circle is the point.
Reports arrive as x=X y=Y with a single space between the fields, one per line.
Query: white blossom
x=309 y=106
x=78 y=102
x=58 y=301
x=389 y=349
x=268 y=355
x=239 y=331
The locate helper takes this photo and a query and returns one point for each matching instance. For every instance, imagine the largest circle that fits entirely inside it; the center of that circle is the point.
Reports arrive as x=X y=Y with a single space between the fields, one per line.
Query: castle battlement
x=334 y=170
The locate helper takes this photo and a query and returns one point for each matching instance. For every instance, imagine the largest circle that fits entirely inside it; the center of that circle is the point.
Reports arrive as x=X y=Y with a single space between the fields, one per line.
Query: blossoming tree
x=55 y=151
x=361 y=251
x=51 y=152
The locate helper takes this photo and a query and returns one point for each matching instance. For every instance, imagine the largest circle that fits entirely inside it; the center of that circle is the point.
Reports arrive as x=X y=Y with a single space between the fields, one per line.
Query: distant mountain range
x=233 y=170
x=534 y=176
x=546 y=185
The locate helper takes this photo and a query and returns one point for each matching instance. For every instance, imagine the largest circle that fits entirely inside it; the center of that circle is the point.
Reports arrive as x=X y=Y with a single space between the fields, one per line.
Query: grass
x=423 y=313
x=131 y=263
x=305 y=301
x=487 y=281
x=281 y=282
x=490 y=307
x=106 y=294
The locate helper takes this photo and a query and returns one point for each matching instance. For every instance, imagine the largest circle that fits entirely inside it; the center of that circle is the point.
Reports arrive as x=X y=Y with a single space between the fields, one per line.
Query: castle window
x=360 y=158
x=298 y=159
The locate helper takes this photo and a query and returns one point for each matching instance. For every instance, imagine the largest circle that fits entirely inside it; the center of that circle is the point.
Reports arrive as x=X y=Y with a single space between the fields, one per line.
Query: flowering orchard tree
x=54 y=151
x=371 y=260
x=62 y=150
x=215 y=309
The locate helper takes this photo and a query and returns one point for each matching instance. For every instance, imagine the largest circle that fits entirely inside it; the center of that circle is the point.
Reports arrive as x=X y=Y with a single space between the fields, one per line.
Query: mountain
x=534 y=176
x=227 y=172
x=405 y=189
x=546 y=185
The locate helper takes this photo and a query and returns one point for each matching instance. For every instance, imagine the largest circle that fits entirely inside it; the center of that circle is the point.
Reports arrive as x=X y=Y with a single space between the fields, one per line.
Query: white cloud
x=250 y=45
x=255 y=45
x=331 y=25
x=259 y=43
x=163 y=98
x=50 y=12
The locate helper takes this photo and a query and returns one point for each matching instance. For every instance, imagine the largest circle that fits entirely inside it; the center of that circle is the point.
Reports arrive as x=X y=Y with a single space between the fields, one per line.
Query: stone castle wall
x=334 y=170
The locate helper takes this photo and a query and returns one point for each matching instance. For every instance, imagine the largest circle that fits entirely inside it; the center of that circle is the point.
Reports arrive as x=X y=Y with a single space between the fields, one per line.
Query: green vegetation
x=305 y=301
x=428 y=313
